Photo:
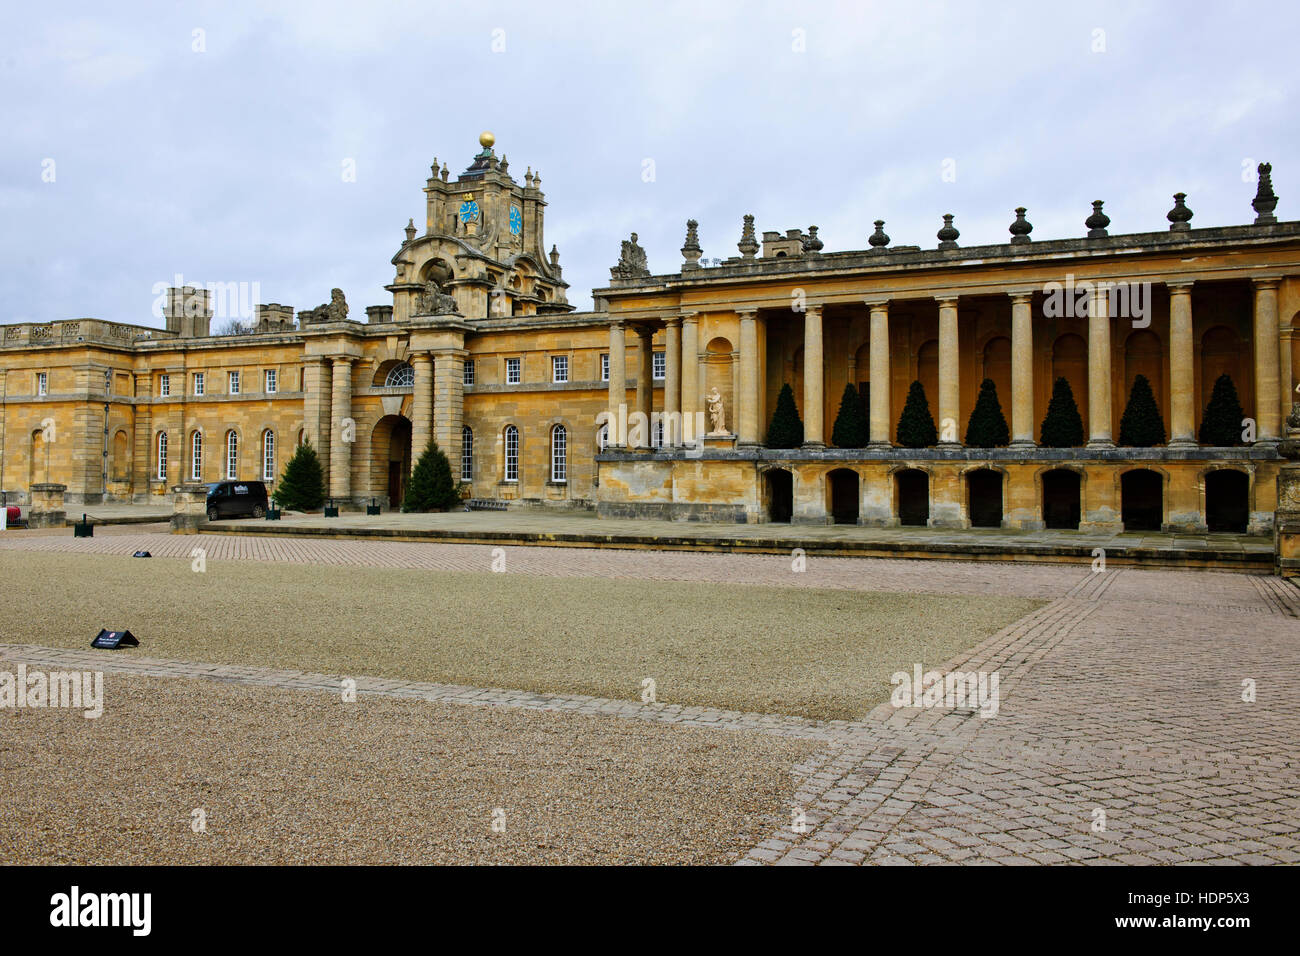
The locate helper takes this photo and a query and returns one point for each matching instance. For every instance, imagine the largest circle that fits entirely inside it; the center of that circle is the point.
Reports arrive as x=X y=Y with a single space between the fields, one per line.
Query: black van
x=236 y=499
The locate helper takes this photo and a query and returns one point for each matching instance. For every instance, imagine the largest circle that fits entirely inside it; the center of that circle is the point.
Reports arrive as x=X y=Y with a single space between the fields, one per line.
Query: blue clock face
x=469 y=211
x=516 y=220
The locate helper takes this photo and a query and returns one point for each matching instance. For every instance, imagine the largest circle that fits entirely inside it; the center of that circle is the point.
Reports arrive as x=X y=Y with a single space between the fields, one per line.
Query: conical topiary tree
x=1221 y=424
x=850 y=429
x=302 y=486
x=1141 y=425
x=786 y=428
x=431 y=485
x=1062 y=425
x=916 y=424
x=987 y=427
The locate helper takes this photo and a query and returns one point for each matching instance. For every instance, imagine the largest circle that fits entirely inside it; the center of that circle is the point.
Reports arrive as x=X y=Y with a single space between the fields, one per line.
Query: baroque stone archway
x=390 y=459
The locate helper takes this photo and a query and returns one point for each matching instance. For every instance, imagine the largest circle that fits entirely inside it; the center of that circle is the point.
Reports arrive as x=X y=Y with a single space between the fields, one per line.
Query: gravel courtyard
x=818 y=653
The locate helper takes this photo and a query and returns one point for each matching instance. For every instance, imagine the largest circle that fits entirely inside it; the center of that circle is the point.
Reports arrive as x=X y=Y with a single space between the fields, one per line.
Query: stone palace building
x=657 y=403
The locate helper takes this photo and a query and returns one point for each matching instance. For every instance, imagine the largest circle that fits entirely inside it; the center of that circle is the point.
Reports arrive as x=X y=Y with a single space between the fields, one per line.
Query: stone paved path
x=1121 y=737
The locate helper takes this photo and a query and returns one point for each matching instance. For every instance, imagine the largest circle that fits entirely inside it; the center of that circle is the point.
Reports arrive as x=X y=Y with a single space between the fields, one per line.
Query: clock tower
x=482 y=246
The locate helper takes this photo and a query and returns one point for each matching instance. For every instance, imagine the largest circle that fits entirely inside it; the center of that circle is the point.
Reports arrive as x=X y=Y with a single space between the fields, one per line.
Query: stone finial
x=1265 y=200
x=410 y=229
x=555 y=258
x=748 y=244
x=1021 y=228
x=446 y=171
x=434 y=168
x=1180 y=215
x=811 y=244
x=505 y=165
x=1097 y=222
x=528 y=177
x=878 y=240
x=537 y=180
x=947 y=235
x=691 y=250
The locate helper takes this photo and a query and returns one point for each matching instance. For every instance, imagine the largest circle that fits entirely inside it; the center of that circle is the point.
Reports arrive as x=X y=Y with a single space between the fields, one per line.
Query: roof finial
x=1097 y=222
x=486 y=139
x=948 y=234
x=1265 y=199
x=1021 y=228
x=748 y=244
x=1179 y=215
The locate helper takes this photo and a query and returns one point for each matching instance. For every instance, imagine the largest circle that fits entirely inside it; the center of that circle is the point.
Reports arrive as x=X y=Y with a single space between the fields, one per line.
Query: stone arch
x=1060 y=496
x=719 y=374
x=843 y=495
x=1070 y=362
x=986 y=489
x=1227 y=498
x=389 y=368
x=911 y=495
x=996 y=364
x=1222 y=353
x=1142 y=498
x=120 y=457
x=778 y=494
x=390 y=458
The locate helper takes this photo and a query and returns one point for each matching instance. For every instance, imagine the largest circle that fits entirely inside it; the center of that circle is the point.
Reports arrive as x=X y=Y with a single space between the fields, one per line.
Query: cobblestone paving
x=1121 y=737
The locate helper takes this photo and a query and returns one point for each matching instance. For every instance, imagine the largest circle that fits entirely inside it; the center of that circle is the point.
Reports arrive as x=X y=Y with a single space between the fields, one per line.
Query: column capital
x=813 y=307
x=946 y=300
x=747 y=313
x=1179 y=286
x=673 y=322
x=1021 y=295
x=689 y=317
x=1266 y=282
x=877 y=302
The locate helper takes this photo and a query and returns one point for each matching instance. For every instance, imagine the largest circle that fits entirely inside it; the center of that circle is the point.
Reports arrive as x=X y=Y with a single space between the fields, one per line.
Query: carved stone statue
x=336 y=310
x=717 y=422
x=631 y=261
x=433 y=301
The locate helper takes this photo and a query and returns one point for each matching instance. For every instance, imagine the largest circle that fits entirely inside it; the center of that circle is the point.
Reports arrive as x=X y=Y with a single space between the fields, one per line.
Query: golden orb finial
x=486 y=139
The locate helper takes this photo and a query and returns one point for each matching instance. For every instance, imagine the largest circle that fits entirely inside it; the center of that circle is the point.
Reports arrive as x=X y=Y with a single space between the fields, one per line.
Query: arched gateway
x=390 y=458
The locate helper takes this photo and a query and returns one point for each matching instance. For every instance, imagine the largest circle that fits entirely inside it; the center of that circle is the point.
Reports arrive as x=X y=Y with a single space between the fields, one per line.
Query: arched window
x=162 y=456
x=466 y=454
x=268 y=455
x=196 y=456
x=512 y=453
x=559 y=454
x=232 y=454
x=400 y=376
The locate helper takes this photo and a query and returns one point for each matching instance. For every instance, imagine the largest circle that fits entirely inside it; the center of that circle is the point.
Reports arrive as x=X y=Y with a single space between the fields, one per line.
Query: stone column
x=1267 y=402
x=1099 y=382
x=449 y=403
x=672 y=381
x=617 y=382
x=1022 y=369
x=421 y=405
x=1182 y=401
x=814 y=379
x=343 y=430
x=949 y=374
x=747 y=416
x=690 y=376
x=316 y=410
x=880 y=377
x=645 y=383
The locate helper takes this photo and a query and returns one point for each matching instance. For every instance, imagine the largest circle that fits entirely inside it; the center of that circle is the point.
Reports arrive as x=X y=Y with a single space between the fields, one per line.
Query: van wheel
x=258 y=511
x=212 y=514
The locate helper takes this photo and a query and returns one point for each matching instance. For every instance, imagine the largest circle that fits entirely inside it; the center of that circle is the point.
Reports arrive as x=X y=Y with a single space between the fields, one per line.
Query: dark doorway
x=780 y=495
x=1061 y=499
x=1142 y=500
x=1227 y=501
x=391 y=457
x=985 y=504
x=913 y=489
x=396 y=483
x=844 y=496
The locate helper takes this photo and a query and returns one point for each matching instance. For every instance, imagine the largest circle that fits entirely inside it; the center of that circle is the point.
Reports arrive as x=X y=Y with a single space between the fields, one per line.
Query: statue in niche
x=433 y=301
x=717 y=422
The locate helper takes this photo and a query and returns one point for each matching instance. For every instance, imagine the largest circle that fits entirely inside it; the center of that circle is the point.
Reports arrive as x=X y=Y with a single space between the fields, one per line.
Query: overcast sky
x=224 y=163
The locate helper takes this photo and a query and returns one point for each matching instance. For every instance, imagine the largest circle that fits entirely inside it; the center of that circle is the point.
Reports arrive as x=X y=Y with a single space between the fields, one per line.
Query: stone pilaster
x=691 y=377
x=814 y=379
x=1182 y=381
x=617 y=381
x=449 y=403
x=316 y=384
x=1022 y=369
x=1267 y=400
x=672 y=381
x=949 y=374
x=747 y=414
x=880 y=373
x=1099 y=380
x=343 y=430
x=421 y=405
